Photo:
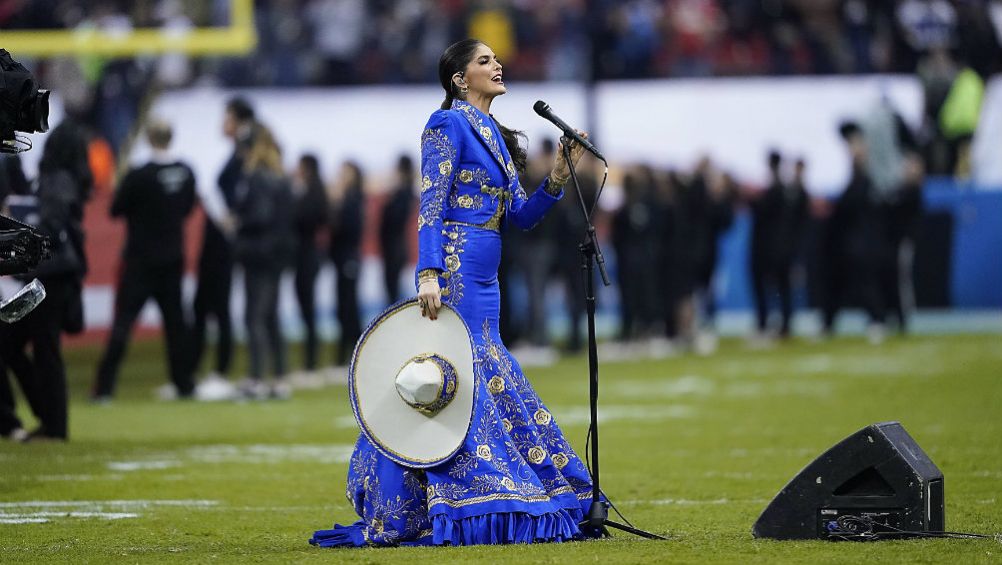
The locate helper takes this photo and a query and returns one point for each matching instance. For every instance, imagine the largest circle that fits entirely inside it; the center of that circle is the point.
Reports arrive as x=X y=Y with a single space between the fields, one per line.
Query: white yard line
x=690 y=502
x=107 y=503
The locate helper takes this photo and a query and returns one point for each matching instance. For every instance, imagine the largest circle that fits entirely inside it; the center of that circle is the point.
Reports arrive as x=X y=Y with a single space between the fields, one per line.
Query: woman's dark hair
x=311 y=165
x=240 y=108
x=355 y=187
x=66 y=149
x=455 y=60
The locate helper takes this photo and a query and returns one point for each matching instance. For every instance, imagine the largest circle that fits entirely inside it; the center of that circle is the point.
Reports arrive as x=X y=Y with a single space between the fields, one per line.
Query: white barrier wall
x=736 y=121
x=665 y=122
x=372 y=125
x=668 y=123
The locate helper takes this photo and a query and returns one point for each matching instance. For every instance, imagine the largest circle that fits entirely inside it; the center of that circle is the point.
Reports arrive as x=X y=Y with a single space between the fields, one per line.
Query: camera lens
x=39 y=111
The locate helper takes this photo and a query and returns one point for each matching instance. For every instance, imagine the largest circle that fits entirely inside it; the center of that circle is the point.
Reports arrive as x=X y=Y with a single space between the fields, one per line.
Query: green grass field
x=693 y=449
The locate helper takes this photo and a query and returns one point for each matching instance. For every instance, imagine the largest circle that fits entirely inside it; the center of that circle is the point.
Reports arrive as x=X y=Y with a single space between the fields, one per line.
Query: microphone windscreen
x=540 y=107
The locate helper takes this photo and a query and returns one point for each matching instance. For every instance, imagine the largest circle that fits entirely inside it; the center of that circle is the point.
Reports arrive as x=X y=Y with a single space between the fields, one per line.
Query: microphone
x=544 y=110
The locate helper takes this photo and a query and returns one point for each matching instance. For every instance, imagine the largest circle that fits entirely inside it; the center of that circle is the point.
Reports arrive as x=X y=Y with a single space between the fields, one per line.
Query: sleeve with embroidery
x=525 y=211
x=439 y=163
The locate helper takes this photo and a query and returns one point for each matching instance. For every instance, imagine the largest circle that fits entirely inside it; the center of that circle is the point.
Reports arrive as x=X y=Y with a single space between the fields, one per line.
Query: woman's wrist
x=556 y=184
x=427 y=275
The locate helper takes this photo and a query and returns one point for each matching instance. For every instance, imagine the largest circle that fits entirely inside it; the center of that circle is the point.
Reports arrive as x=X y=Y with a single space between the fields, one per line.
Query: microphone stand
x=591 y=254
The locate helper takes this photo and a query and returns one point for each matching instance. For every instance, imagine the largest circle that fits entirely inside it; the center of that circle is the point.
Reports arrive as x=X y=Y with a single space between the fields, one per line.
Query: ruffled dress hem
x=486 y=529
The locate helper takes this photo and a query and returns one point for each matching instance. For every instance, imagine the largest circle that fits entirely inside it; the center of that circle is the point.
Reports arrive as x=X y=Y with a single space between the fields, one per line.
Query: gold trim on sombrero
x=365 y=426
x=447 y=382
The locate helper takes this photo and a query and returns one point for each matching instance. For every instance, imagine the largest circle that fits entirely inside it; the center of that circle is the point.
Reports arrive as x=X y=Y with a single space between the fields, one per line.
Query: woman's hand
x=429 y=297
x=561 y=170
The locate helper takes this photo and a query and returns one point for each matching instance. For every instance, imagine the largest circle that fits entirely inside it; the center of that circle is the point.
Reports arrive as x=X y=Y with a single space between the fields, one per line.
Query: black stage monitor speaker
x=877 y=480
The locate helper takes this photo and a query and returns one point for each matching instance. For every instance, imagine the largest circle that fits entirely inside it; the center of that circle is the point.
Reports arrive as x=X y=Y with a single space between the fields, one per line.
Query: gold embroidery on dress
x=488 y=498
x=542 y=417
x=474 y=117
x=559 y=460
x=536 y=455
x=484 y=452
x=496 y=192
x=454 y=246
x=496 y=384
x=435 y=145
x=467 y=201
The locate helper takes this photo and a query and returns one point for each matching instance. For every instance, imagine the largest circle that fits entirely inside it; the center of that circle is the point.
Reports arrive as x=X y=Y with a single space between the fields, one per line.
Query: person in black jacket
x=155 y=200
x=264 y=245
x=634 y=239
x=903 y=216
x=779 y=216
x=215 y=264
x=62 y=185
x=857 y=243
x=394 y=226
x=310 y=217
x=345 y=251
x=704 y=211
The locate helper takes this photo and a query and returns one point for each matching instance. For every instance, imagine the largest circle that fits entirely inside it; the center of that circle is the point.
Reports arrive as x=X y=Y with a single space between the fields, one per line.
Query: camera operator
x=155 y=199
x=12 y=181
x=60 y=189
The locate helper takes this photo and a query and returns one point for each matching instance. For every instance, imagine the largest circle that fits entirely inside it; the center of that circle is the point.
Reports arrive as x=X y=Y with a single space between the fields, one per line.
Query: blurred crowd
x=665 y=238
x=337 y=42
x=353 y=41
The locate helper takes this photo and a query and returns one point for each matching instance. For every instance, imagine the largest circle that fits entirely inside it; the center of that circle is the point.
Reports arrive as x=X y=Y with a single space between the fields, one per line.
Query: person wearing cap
x=456 y=446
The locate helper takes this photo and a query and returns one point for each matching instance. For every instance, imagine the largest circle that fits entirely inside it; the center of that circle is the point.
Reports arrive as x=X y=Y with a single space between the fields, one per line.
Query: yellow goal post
x=239 y=38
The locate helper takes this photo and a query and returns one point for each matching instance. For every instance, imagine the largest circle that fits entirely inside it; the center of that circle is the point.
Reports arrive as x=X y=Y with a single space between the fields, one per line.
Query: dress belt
x=493 y=224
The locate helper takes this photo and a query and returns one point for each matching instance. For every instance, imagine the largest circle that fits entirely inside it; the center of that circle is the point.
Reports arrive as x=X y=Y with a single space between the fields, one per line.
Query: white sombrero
x=411 y=384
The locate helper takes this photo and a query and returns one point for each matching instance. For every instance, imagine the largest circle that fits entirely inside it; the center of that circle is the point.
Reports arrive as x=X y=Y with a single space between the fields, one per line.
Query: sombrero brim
x=397 y=430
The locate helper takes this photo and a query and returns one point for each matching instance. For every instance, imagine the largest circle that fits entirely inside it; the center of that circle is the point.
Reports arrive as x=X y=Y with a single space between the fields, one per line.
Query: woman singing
x=515 y=479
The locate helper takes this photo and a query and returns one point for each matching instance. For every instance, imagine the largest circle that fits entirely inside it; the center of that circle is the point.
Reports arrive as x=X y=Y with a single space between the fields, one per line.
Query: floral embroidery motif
x=477 y=121
x=559 y=459
x=389 y=519
x=484 y=452
x=438 y=153
x=478 y=175
x=454 y=246
x=536 y=455
x=542 y=417
x=495 y=385
x=466 y=201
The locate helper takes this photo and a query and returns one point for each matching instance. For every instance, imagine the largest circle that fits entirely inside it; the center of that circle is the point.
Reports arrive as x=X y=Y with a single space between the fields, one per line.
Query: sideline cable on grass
x=861 y=528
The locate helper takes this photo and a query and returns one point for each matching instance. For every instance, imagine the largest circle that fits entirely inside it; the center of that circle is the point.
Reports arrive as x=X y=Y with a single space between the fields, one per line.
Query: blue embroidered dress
x=515 y=479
